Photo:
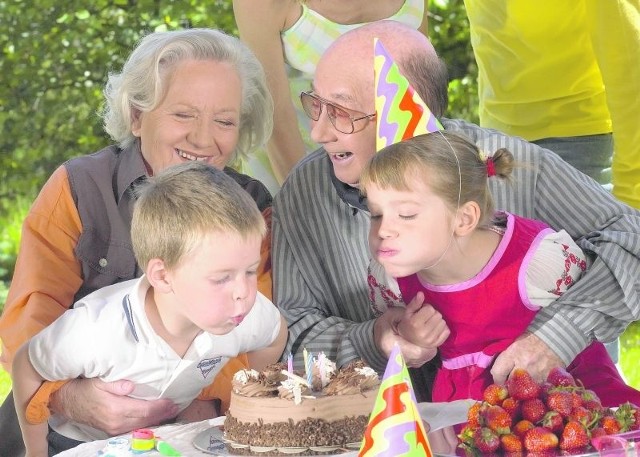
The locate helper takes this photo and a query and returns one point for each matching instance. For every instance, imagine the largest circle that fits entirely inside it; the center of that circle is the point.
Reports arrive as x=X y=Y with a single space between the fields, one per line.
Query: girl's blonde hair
x=452 y=167
x=182 y=204
x=142 y=83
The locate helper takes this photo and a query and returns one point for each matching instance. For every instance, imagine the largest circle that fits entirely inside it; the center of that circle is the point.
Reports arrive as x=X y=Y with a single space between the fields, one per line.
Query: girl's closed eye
x=376 y=216
x=407 y=217
x=252 y=273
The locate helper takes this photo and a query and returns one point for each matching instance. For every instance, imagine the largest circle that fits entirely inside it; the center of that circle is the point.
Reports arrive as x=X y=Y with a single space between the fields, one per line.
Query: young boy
x=197 y=235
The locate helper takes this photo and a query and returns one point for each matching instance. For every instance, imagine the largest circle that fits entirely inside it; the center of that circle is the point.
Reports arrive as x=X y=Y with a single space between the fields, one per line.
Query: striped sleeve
x=607 y=298
x=320 y=257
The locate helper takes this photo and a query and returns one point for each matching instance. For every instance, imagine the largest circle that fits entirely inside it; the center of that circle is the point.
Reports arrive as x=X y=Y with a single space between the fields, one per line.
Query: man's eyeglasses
x=343 y=119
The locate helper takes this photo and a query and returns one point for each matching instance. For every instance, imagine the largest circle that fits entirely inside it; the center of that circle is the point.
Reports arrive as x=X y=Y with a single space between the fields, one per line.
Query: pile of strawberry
x=524 y=416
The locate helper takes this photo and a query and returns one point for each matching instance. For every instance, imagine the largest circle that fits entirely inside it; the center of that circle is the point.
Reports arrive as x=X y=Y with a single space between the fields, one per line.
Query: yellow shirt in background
x=544 y=66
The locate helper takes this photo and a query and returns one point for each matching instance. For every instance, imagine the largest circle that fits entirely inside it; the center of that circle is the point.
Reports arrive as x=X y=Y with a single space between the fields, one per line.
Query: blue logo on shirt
x=207 y=365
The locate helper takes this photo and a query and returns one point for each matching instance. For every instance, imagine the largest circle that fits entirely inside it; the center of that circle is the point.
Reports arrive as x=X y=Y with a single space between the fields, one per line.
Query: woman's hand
x=105 y=406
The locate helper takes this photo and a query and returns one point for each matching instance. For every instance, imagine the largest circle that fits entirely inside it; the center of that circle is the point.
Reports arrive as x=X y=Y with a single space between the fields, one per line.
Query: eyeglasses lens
x=339 y=118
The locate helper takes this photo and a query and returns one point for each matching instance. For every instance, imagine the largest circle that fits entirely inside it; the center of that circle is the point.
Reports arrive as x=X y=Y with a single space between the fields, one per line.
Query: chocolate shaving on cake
x=272 y=374
x=250 y=383
x=354 y=378
x=307 y=433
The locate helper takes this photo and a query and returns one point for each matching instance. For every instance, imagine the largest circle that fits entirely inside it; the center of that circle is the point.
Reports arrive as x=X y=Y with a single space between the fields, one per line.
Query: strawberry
x=598 y=431
x=475 y=415
x=593 y=405
x=553 y=421
x=591 y=401
x=513 y=407
x=533 y=410
x=589 y=395
x=540 y=439
x=465 y=437
x=626 y=415
x=494 y=394
x=498 y=420
x=574 y=436
x=636 y=418
x=521 y=385
x=576 y=399
x=522 y=427
x=560 y=401
x=511 y=443
x=486 y=440
x=558 y=376
x=582 y=415
x=545 y=388
x=610 y=425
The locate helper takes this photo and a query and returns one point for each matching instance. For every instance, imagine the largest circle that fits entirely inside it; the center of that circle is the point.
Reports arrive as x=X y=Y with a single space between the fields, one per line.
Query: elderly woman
x=184 y=95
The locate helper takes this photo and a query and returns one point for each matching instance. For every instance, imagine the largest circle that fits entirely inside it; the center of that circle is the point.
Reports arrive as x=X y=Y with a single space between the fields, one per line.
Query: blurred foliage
x=56 y=57
x=55 y=60
x=10 y=237
x=449 y=33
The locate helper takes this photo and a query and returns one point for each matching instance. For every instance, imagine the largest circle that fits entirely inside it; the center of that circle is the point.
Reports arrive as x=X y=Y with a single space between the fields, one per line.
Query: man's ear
x=468 y=216
x=158 y=275
x=136 y=122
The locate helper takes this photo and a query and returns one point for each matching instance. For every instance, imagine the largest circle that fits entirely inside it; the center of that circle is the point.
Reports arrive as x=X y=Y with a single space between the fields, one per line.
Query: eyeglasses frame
x=349 y=112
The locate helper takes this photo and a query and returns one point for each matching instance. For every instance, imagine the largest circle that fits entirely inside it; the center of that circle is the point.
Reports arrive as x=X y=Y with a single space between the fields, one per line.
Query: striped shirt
x=320 y=253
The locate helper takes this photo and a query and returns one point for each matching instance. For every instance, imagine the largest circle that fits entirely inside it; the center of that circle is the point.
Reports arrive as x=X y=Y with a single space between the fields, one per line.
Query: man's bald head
x=409 y=48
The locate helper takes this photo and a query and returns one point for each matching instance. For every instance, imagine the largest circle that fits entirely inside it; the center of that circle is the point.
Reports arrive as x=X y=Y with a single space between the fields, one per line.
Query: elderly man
x=320 y=225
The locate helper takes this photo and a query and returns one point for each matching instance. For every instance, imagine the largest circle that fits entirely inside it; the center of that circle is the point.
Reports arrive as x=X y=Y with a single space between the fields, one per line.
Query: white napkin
x=440 y=415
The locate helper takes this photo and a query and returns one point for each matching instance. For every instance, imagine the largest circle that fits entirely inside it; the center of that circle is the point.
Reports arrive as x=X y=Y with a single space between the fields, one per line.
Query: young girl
x=434 y=229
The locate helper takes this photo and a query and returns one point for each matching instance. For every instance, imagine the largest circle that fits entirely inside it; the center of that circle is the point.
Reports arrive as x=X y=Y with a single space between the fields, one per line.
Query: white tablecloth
x=180 y=436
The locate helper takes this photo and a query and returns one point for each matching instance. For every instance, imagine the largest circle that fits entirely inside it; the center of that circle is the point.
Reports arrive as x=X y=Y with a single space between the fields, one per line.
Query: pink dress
x=488 y=312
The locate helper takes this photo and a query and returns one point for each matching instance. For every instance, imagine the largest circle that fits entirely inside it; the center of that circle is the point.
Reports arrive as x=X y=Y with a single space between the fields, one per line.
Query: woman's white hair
x=142 y=83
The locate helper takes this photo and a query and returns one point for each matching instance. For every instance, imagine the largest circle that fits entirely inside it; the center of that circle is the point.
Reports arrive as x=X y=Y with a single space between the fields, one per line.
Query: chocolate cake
x=277 y=409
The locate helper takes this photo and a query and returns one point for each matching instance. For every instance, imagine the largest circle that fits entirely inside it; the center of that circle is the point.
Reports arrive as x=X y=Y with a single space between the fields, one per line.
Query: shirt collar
x=130 y=168
x=349 y=194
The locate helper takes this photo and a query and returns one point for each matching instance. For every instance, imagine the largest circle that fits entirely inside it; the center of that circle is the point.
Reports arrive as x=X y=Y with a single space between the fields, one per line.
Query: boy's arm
x=199 y=410
x=26 y=382
x=272 y=353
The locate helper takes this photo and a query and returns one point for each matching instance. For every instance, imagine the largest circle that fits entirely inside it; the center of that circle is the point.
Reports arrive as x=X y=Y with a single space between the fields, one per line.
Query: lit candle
x=290 y=363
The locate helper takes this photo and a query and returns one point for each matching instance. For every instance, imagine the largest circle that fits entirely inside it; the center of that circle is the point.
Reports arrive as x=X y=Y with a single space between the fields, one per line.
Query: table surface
x=181 y=436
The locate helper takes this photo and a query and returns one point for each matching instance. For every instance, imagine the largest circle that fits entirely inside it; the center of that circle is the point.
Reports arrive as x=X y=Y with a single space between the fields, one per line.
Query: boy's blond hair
x=178 y=207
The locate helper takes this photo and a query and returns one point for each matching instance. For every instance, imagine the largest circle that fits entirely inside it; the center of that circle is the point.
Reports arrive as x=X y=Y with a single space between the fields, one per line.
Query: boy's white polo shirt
x=107 y=335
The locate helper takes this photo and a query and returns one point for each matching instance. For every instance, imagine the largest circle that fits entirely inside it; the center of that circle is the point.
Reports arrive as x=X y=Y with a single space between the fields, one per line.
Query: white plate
x=211 y=441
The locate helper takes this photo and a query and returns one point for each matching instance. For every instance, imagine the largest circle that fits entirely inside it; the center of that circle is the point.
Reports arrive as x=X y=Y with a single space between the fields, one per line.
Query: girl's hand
x=422 y=325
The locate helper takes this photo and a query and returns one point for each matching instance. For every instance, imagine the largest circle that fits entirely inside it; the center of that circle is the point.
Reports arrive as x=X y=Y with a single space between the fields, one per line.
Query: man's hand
x=528 y=352
x=422 y=325
x=106 y=407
